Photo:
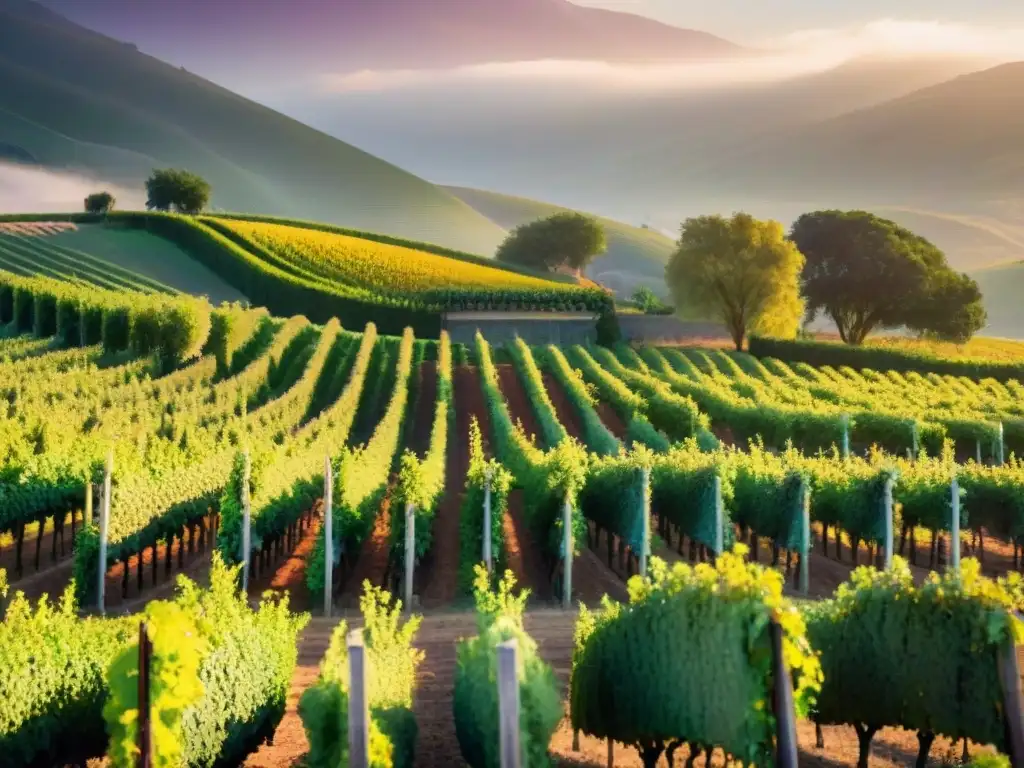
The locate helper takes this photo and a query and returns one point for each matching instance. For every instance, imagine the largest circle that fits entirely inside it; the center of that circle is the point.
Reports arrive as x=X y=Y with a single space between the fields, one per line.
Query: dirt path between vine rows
x=523 y=554
x=440 y=578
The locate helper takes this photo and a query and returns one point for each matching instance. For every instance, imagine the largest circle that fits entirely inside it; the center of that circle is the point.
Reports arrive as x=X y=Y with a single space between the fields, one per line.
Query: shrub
x=475 y=698
x=391 y=676
x=689 y=660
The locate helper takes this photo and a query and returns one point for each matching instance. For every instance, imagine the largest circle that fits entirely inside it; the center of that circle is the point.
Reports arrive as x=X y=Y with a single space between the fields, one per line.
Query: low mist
x=26 y=189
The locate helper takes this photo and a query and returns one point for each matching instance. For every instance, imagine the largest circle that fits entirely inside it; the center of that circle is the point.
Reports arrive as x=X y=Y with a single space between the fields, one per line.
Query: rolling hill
x=74 y=99
x=290 y=37
x=935 y=148
x=635 y=256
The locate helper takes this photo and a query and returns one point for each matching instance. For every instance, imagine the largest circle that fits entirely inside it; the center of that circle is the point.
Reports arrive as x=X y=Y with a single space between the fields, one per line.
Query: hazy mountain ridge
x=349 y=35
x=85 y=96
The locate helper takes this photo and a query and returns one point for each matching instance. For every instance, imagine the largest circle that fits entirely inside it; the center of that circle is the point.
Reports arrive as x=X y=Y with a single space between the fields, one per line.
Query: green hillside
x=635 y=256
x=75 y=99
x=113 y=258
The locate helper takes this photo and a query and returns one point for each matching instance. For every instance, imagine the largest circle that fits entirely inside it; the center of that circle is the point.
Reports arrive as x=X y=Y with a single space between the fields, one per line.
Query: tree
x=741 y=270
x=865 y=272
x=562 y=239
x=172 y=188
x=99 y=202
x=647 y=301
x=951 y=309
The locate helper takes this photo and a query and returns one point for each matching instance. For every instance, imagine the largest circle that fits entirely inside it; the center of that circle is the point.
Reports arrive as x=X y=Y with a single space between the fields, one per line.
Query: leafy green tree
x=740 y=270
x=99 y=202
x=647 y=301
x=183 y=191
x=563 y=239
x=865 y=272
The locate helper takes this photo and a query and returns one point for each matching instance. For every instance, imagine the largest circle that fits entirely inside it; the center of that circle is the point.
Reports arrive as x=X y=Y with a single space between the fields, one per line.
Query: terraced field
x=107 y=257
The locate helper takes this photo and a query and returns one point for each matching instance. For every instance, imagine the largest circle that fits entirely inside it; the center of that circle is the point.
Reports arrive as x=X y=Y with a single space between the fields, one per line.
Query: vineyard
x=773 y=536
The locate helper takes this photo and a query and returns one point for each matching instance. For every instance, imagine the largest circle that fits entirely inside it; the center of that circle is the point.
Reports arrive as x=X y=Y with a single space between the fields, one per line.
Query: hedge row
x=551 y=430
x=175 y=328
x=595 y=434
x=818 y=353
x=421 y=482
x=471 y=513
x=361 y=478
x=55 y=686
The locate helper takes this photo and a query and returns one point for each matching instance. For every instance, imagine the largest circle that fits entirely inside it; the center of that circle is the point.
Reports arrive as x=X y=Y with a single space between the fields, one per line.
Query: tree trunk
x=650 y=754
x=924 y=739
x=864 y=736
x=819 y=737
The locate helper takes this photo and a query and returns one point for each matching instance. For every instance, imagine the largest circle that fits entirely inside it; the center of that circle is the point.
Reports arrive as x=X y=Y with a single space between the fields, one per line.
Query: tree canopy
x=99 y=202
x=865 y=272
x=563 y=239
x=183 y=191
x=741 y=270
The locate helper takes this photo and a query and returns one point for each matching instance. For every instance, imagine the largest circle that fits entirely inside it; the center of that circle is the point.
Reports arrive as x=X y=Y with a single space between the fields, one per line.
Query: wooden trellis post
x=328 y=536
x=782 y=703
x=487 y=557
x=567 y=546
x=954 y=544
x=358 y=709
x=508 y=705
x=246 y=523
x=805 y=537
x=145 y=734
x=887 y=511
x=104 y=527
x=645 y=529
x=719 y=517
x=846 y=435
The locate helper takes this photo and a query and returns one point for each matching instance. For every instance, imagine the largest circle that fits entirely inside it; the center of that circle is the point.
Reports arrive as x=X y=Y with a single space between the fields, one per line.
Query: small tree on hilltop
x=647 y=301
x=99 y=202
x=566 y=239
x=740 y=270
x=865 y=272
x=183 y=191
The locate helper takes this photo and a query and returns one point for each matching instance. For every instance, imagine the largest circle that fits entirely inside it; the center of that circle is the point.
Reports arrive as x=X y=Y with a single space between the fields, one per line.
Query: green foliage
x=391 y=676
x=475 y=698
x=706 y=627
x=177 y=650
x=866 y=272
x=422 y=483
x=740 y=270
x=932 y=648
x=174 y=327
x=100 y=202
x=647 y=301
x=53 y=692
x=471 y=531
x=564 y=239
x=361 y=475
x=819 y=353
x=595 y=434
x=183 y=191
x=551 y=430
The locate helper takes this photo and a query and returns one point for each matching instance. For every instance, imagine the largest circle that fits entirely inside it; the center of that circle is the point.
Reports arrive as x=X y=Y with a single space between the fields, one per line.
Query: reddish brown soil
x=523 y=555
x=567 y=415
x=423 y=413
x=611 y=419
x=289 y=577
x=372 y=562
x=54 y=548
x=518 y=403
x=440 y=576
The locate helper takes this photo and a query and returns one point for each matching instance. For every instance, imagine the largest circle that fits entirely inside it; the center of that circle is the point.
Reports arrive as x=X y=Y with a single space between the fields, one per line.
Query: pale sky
x=752 y=21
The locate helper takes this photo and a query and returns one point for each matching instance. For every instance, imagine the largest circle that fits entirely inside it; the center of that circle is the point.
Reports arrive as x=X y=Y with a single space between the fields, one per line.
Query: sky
x=752 y=21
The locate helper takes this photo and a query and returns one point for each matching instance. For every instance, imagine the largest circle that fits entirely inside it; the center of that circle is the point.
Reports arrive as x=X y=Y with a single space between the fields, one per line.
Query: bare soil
x=518 y=403
x=423 y=413
x=567 y=414
x=611 y=419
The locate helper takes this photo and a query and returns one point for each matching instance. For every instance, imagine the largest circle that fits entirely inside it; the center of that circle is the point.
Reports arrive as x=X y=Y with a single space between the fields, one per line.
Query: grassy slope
x=635 y=256
x=115 y=258
x=73 y=98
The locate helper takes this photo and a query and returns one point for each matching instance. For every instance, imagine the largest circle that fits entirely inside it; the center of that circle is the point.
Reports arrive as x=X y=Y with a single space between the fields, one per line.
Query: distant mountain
x=636 y=256
x=73 y=99
x=218 y=37
x=949 y=143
